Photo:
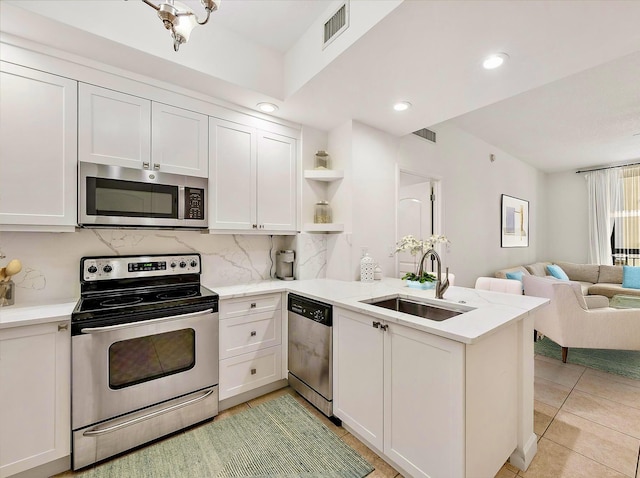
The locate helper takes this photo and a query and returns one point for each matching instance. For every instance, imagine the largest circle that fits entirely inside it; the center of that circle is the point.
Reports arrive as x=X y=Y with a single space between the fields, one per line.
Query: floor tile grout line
x=588 y=458
x=600 y=424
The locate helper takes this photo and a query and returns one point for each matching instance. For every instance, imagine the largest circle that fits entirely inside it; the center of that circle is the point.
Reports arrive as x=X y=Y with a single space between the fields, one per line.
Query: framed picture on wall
x=514 y=226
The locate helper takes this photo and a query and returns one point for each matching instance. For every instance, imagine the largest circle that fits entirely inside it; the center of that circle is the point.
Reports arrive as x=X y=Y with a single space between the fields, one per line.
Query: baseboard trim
x=251 y=394
x=522 y=458
x=48 y=469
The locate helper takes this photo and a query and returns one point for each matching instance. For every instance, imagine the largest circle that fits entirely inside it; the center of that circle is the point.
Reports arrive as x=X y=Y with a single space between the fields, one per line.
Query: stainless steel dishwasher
x=310 y=351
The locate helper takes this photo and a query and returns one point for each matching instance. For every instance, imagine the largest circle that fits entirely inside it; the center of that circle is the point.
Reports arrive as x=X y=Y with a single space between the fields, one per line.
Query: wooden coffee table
x=621 y=301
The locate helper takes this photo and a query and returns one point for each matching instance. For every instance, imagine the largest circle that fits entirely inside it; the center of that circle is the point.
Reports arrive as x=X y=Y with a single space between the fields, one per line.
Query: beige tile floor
x=587 y=423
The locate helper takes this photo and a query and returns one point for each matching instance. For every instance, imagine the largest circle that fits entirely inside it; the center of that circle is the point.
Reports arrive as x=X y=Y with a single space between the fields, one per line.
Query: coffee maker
x=284 y=264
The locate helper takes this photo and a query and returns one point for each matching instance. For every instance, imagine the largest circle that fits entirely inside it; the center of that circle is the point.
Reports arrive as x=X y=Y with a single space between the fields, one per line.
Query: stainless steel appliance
x=114 y=196
x=144 y=349
x=284 y=264
x=310 y=351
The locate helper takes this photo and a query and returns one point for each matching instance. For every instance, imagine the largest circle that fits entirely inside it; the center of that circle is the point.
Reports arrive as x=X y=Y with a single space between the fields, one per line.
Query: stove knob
x=183 y=264
x=173 y=265
x=193 y=263
x=92 y=269
x=107 y=268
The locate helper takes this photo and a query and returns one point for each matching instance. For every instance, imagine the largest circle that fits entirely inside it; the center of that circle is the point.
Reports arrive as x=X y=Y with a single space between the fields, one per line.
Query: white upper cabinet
x=132 y=132
x=180 y=142
x=114 y=128
x=38 y=150
x=252 y=179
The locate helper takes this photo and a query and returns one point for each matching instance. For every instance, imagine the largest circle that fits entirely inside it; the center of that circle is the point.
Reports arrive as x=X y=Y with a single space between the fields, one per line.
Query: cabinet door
x=38 y=148
x=180 y=143
x=232 y=176
x=276 y=182
x=358 y=369
x=35 y=399
x=114 y=128
x=251 y=370
x=424 y=402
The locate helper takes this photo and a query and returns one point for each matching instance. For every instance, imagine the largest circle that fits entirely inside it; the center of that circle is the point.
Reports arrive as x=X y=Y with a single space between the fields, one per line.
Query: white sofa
x=570 y=322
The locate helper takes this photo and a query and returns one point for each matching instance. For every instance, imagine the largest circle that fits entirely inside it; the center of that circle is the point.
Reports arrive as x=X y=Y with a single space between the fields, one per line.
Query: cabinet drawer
x=249 y=371
x=249 y=305
x=250 y=333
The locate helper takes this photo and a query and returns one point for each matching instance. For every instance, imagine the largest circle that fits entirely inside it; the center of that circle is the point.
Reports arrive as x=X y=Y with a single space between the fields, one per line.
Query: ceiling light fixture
x=180 y=19
x=402 y=106
x=495 y=60
x=267 y=107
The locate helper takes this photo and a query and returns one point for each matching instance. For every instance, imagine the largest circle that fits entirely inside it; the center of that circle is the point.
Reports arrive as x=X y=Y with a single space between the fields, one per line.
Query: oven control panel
x=123 y=267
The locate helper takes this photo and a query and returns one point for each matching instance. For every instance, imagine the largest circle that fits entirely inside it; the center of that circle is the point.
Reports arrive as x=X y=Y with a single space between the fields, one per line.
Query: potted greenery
x=410 y=244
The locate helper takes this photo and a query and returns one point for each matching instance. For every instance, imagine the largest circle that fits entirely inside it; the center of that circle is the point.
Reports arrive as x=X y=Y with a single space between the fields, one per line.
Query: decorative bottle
x=367 y=267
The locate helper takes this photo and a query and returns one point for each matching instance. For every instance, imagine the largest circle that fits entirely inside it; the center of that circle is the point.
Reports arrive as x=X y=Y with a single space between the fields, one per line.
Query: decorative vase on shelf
x=416 y=284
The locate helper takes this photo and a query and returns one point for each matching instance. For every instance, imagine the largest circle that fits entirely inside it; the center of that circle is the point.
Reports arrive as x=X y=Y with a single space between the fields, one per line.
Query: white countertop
x=491 y=310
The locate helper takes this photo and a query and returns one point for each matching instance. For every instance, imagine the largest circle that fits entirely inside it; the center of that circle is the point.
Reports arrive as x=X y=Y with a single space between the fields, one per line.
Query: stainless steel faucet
x=441 y=285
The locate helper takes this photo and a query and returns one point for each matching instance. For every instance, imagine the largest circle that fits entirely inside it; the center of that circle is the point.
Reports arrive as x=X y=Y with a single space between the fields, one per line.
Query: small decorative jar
x=367 y=268
x=7 y=292
x=377 y=273
x=322 y=160
x=322 y=214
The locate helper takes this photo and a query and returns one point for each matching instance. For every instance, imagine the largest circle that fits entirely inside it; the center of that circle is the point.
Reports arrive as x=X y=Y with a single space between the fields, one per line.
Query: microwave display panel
x=114 y=197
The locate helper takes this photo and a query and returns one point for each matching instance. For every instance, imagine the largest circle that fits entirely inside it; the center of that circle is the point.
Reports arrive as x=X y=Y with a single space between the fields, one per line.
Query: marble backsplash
x=51 y=261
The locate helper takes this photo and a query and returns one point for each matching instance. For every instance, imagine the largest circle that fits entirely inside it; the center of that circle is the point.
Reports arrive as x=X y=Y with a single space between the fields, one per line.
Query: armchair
x=569 y=321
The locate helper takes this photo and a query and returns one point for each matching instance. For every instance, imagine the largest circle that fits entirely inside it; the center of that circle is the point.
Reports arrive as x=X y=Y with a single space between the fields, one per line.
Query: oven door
x=122 y=368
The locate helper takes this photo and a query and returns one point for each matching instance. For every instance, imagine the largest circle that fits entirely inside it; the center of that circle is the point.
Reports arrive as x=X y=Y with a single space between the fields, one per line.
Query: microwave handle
x=110 y=328
x=181 y=204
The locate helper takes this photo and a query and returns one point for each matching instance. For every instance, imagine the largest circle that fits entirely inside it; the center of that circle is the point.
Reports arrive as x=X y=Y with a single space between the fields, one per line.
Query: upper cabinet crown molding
x=38 y=150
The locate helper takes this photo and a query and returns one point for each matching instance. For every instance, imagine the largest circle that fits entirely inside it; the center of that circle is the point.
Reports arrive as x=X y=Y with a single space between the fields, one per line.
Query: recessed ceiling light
x=494 y=61
x=267 y=107
x=402 y=106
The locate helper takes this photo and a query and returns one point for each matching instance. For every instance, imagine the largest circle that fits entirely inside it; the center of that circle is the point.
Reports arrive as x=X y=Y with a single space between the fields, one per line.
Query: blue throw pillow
x=631 y=277
x=515 y=275
x=557 y=272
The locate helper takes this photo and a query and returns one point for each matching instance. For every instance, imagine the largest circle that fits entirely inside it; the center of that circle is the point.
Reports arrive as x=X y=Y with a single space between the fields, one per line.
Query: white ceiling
x=568 y=97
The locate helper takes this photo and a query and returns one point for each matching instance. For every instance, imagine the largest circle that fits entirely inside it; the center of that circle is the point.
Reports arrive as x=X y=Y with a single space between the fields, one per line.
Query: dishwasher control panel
x=311 y=309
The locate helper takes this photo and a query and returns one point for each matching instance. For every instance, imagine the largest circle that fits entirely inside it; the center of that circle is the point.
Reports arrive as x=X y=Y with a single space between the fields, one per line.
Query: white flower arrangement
x=416 y=246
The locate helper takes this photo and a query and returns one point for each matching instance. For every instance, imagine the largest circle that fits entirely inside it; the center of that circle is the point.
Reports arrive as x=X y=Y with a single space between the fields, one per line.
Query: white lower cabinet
x=251 y=353
x=35 y=397
x=431 y=406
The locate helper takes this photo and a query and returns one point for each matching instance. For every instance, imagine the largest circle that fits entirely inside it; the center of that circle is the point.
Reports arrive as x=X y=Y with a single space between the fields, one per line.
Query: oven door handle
x=111 y=328
x=108 y=429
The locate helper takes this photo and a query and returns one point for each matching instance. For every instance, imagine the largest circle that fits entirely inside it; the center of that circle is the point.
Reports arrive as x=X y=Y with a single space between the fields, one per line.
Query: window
x=625 y=240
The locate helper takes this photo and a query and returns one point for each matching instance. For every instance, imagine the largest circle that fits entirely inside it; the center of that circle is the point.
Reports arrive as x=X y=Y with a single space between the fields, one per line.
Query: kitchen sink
x=419 y=309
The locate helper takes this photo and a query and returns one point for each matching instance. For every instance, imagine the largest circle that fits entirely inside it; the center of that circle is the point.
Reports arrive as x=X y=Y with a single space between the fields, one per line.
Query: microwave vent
x=426 y=134
x=336 y=24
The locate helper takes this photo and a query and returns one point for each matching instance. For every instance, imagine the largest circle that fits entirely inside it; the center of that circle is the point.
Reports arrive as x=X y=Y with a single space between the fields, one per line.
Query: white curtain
x=604 y=187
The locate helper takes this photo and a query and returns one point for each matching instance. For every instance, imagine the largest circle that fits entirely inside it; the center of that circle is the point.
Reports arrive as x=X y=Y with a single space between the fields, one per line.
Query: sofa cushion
x=556 y=271
x=610 y=274
x=502 y=273
x=581 y=272
x=585 y=286
x=611 y=289
x=631 y=277
x=538 y=268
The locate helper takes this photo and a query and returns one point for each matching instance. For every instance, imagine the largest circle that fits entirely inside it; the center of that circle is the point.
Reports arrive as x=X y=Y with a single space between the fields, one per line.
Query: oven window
x=147 y=358
x=114 y=197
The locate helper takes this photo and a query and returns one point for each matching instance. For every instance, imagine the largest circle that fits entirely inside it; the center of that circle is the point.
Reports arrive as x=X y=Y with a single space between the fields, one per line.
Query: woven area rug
x=621 y=362
x=276 y=439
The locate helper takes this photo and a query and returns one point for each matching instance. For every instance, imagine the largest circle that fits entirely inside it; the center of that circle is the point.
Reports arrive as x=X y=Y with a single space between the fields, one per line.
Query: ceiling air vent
x=336 y=24
x=426 y=134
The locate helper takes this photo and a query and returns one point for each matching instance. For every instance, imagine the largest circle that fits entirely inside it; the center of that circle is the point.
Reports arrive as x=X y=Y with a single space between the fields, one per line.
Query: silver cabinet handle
x=376 y=325
x=146 y=165
x=108 y=429
x=156 y=166
x=109 y=328
x=62 y=327
x=253 y=333
x=253 y=305
x=253 y=371
x=384 y=327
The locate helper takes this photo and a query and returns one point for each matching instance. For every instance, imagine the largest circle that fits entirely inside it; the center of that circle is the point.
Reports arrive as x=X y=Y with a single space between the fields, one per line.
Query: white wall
x=567 y=220
x=471 y=191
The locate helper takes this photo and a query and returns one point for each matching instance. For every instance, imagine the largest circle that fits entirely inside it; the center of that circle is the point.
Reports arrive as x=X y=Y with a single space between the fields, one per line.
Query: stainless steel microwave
x=112 y=196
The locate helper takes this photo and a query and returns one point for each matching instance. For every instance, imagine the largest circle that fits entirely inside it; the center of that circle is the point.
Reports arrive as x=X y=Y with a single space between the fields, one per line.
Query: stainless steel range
x=144 y=351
